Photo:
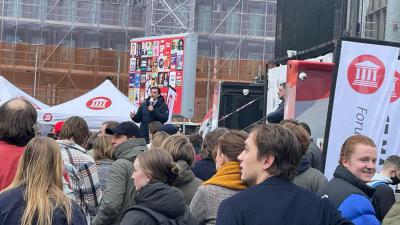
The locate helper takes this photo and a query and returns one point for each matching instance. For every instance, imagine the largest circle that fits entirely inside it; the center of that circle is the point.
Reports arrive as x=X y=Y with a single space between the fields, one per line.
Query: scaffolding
x=169 y=17
x=50 y=47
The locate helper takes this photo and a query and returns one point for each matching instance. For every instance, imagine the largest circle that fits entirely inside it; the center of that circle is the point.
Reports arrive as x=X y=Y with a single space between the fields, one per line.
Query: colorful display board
x=167 y=62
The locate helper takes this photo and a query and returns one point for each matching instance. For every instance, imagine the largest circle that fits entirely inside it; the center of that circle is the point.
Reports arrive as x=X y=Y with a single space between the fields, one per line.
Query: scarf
x=228 y=176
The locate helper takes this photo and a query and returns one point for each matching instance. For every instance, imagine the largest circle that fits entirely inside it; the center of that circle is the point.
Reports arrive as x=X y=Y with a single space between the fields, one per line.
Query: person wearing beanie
x=57 y=129
x=120 y=189
x=169 y=129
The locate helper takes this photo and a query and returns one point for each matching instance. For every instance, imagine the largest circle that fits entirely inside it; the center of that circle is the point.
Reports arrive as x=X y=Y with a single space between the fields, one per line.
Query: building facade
x=59 y=49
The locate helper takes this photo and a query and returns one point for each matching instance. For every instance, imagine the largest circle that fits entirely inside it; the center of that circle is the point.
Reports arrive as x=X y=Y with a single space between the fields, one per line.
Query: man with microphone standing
x=152 y=109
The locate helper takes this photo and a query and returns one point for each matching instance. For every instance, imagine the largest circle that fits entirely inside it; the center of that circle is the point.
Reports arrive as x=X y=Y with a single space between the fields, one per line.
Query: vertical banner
x=215 y=105
x=361 y=101
x=171 y=97
x=390 y=141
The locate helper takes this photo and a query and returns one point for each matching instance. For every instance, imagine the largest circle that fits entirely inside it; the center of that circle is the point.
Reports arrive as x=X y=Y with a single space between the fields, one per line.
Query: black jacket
x=144 y=117
x=278 y=201
x=277 y=115
x=352 y=197
x=314 y=155
x=12 y=207
x=204 y=169
x=159 y=197
x=382 y=200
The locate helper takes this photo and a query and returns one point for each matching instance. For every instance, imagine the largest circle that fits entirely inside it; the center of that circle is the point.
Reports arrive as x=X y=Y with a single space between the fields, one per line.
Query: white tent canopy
x=103 y=103
x=9 y=91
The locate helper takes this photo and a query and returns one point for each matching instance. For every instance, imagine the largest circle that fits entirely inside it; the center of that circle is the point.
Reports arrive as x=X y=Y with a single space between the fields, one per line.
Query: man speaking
x=152 y=109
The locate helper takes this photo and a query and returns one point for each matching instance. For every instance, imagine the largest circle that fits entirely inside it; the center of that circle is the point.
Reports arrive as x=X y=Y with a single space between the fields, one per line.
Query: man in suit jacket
x=268 y=164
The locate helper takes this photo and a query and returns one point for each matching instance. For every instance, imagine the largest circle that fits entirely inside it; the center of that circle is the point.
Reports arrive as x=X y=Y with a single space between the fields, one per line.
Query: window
x=233 y=23
x=204 y=18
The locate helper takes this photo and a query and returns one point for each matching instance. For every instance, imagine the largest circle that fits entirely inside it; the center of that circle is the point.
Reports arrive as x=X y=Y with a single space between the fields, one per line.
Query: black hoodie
x=159 y=197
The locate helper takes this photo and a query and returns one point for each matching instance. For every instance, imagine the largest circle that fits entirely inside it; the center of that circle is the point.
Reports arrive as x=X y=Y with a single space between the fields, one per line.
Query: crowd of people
x=269 y=175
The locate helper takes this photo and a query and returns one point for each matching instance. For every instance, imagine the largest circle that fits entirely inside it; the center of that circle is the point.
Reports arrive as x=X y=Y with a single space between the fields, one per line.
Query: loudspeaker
x=235 y=95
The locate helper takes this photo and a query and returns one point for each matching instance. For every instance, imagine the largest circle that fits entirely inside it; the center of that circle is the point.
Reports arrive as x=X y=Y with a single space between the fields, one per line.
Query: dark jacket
x=144 y=117
x=383 y=197
x=278 y=201
x=277 y=115
x=120 y=189
x=186 y=181
x=204 y=169
x=310 y=178
x=12 y=207
x=352 y=197
x=314 y=155
x=159 y=197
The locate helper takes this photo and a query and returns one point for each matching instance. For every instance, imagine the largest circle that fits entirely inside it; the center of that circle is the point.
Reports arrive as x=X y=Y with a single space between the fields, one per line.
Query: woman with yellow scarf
x=225 y=183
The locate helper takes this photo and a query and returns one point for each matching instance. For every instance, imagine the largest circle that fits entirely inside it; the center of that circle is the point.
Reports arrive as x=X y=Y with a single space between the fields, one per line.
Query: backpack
x=161 y=219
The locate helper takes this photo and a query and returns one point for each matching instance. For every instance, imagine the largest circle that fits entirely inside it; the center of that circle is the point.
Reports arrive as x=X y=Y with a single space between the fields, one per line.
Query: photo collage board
x=156 y=63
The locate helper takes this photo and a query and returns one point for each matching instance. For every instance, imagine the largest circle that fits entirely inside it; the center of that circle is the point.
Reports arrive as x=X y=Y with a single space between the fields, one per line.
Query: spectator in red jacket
x=17 y=119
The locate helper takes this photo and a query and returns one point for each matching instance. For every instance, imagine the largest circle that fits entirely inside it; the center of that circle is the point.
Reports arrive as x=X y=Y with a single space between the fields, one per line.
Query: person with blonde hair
x=183 y=153
x=158 y=139
x=102 y=153
x=156 y=200
x=225 y=183
x=35 y=196
x=348 y=189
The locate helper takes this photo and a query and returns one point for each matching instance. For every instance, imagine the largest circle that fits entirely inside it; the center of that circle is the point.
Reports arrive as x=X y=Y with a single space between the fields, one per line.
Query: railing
x=62 y=58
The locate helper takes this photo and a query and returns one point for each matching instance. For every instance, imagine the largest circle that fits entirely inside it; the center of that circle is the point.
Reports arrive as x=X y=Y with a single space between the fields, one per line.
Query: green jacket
x=393 y=216
x=120 y=189
x=186 y=181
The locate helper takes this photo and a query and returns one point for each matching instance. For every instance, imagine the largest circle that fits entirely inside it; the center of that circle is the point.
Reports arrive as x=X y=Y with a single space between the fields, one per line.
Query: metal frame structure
x=62 y=45
x=169 y=17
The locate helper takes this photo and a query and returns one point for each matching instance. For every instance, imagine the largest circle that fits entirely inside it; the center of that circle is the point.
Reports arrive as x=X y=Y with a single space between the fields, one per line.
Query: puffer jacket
x=120 y=189
x=186 y=181
x=352 y=197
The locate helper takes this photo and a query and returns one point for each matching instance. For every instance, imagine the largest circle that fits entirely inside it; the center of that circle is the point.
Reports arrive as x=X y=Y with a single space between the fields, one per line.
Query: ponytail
x=173 y=174
x=159 y=165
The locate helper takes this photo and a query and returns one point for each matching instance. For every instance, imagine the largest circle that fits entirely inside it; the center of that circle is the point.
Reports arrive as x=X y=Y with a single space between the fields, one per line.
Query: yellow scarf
x=228 y=176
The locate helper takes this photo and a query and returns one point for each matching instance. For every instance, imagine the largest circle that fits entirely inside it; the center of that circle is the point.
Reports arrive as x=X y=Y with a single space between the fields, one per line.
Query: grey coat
x=186 y=181
x=312 y=180
x=206 y=201
x=120 y=189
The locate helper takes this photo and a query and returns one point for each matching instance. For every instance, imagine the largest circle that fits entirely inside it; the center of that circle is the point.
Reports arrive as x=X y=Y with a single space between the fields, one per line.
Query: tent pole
x=35 y=76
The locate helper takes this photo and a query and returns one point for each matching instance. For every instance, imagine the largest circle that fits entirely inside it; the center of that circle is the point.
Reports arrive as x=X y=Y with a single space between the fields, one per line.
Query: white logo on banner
x=366 y=74
x=361 y=103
